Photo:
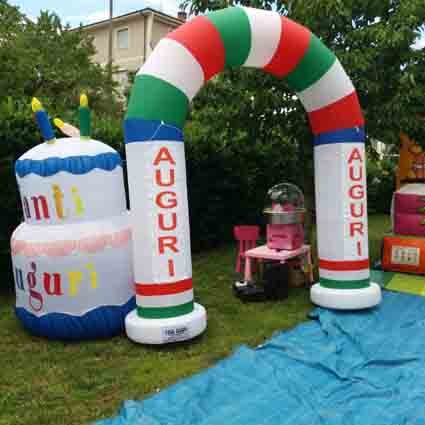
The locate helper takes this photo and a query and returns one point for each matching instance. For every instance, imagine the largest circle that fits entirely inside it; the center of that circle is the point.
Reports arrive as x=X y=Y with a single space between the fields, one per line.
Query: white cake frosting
x=76 y=229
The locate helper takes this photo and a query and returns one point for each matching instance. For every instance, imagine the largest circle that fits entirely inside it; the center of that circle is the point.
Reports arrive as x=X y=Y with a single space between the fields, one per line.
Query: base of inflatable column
x=164 y=331
x=346 y=299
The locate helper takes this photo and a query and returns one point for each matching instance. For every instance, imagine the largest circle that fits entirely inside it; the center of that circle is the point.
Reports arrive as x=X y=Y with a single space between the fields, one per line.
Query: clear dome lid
x=286 y=197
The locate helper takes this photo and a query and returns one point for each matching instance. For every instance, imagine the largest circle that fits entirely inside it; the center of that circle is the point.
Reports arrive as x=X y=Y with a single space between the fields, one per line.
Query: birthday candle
x=84 y=117
x=66 y=128
x=43 y=121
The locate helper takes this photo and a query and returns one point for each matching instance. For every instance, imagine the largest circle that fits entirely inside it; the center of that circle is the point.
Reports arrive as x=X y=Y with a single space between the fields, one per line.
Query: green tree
x=46 y=59
x=374 y=42
x=11 y=25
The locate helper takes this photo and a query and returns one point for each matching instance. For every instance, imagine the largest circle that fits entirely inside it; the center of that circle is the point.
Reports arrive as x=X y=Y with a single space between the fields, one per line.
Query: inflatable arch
x=180 y=64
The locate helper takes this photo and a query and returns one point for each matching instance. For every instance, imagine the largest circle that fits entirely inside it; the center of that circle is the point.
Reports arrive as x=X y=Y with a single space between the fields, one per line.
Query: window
x=122 y=38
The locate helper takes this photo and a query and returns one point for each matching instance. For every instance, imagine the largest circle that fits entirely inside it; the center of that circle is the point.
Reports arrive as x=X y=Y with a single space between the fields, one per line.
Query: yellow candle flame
x=84 y=101
x=58 y=123
x=36 y=105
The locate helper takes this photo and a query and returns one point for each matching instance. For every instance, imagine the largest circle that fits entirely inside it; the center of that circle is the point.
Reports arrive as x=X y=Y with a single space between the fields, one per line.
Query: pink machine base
x=285 y=236
x=409 y=217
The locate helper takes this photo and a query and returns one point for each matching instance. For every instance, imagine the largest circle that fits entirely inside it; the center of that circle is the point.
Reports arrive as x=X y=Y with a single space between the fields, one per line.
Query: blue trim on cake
x=346 y=135
x=101 y=322
x=139 y=130
x=78 y=165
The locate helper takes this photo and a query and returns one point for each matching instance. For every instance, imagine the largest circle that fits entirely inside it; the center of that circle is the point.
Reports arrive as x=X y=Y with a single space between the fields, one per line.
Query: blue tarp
x=365 y=368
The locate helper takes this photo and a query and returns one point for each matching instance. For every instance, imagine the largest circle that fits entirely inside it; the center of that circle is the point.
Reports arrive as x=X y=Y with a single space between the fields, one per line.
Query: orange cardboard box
x=403 y=254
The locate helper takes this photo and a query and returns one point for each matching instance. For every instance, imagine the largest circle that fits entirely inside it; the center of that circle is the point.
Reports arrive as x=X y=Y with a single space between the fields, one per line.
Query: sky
x=421 y=42
x=88 y=11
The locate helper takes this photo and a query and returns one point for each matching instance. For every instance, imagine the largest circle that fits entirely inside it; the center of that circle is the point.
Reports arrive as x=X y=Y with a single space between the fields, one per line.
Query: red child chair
x=247 y=237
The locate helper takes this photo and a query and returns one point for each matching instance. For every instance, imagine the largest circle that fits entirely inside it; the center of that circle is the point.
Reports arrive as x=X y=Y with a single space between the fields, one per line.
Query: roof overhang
x=163 y=17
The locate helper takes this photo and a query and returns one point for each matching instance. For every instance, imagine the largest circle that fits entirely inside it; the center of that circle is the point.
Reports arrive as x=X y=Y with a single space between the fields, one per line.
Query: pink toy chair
x=247 y=237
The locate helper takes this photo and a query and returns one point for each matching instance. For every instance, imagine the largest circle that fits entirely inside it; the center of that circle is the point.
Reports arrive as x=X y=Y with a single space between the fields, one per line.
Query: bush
x=18 y=134
x=228 y=182
x=381 y=177
x=227 y=179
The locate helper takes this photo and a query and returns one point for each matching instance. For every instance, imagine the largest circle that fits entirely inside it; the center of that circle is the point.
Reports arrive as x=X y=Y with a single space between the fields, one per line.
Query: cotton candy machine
x=285 y=217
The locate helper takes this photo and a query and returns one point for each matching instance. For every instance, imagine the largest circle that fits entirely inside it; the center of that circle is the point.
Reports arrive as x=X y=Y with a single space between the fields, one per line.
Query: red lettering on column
x=353 y=210
x=356 y=191
x=160 y=182
x=166 y=177
x=359 y=176
x=164 y=155
x=170 y=268
x=355 y=155
x=356 y=227
x=169 y=242
x=168 y=203
x=171 y=226
x=359 y=248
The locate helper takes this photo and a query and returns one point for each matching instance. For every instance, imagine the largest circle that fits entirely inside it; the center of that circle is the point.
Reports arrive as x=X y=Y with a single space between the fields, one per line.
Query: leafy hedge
x=381 y=176
x=18 y=133
x=227 y=180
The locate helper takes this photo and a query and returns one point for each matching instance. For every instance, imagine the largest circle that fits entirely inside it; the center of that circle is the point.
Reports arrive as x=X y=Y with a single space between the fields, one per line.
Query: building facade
x=134 y=37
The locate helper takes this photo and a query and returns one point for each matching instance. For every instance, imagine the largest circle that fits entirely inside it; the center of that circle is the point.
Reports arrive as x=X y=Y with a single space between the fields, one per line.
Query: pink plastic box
x=285 y=236
x=409 y=210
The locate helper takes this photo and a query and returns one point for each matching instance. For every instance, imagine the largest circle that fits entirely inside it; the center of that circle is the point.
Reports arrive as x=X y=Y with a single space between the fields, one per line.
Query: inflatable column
x=165 y=310
x=180 y=64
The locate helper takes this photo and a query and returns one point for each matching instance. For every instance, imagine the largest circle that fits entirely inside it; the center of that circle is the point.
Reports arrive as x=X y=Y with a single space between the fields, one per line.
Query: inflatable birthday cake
x=72 y=254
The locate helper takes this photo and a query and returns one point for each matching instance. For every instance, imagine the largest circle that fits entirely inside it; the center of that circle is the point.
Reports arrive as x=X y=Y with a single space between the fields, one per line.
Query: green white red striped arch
x=244 y=37
x=175 y=71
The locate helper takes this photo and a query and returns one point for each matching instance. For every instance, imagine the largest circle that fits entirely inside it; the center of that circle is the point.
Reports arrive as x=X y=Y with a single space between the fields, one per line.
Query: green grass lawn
x=53 y=383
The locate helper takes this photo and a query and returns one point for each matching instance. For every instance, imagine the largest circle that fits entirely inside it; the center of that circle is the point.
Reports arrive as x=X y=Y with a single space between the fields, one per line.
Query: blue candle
x=43 y=121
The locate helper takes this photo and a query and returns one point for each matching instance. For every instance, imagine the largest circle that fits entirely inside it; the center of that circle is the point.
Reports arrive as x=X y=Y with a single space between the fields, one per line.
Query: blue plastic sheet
x=350 y=368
